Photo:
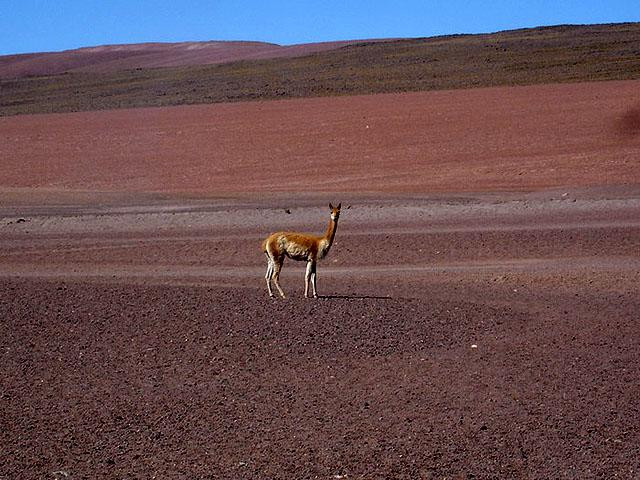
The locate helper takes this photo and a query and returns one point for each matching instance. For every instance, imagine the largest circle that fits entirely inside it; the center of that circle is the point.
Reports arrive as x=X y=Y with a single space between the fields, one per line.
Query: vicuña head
x=298 y=246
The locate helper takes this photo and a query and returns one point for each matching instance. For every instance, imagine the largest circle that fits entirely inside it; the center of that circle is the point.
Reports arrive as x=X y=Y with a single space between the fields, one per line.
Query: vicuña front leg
x=310 y=277
x=313 y=281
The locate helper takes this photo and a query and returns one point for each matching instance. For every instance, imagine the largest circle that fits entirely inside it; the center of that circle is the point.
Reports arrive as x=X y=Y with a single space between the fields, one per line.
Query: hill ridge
x=554 y=54
x=110 y=58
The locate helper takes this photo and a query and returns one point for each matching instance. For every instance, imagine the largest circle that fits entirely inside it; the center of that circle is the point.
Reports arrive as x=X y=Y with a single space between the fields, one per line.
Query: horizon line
x=284 y=45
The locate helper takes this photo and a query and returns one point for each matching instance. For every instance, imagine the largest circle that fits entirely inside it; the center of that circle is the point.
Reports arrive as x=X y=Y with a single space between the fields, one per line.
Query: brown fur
x=298 y=246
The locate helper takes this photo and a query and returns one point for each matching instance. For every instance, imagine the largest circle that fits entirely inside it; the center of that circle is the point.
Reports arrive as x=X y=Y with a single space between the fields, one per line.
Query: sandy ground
x=458 y=335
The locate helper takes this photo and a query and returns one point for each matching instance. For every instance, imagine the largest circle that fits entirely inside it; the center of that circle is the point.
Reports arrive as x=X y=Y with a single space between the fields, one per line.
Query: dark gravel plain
x=474 y=358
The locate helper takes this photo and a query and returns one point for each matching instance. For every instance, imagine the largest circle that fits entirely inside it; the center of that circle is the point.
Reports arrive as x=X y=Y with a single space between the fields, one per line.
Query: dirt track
x=460 y=335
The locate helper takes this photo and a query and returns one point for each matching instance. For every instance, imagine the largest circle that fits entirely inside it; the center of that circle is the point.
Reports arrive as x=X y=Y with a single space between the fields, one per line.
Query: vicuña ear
x=330 y=206
x=339 y=205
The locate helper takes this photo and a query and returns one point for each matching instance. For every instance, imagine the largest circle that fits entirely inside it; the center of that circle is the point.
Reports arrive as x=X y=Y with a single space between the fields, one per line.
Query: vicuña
x=298 y=246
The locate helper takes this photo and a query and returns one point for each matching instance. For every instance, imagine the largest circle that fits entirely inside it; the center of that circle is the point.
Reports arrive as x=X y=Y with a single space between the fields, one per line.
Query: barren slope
x=113 y=58
x=516 y=138
x=521 y=57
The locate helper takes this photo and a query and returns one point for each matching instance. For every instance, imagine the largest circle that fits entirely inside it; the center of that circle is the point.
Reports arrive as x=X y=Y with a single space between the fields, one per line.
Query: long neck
x=327 y=239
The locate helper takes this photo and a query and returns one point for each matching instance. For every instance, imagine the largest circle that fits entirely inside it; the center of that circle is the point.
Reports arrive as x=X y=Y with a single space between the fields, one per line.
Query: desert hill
x=113 y=58
x=521 y=57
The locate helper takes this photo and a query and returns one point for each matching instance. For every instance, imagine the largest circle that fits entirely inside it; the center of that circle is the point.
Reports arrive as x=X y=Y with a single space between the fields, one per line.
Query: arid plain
x=478 y=314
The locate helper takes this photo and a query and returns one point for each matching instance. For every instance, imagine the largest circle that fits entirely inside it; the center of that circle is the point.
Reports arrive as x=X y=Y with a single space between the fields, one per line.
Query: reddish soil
x=479 y=310
x=491 y=139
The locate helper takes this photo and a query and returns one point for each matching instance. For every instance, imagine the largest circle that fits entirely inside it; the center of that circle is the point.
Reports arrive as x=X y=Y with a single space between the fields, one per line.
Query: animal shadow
x=354 y=297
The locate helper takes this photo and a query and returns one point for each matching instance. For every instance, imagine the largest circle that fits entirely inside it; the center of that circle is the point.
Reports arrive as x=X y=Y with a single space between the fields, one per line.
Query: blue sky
x=53 y=25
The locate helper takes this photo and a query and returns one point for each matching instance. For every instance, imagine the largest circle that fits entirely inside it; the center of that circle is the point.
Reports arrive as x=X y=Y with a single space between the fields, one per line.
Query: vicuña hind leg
x=277 y=266
x=269 y=274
